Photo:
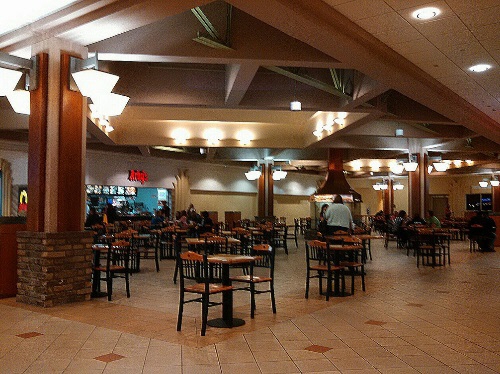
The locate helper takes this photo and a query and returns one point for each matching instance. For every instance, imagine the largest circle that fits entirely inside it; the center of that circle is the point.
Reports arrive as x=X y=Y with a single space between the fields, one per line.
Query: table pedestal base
x=221 y=323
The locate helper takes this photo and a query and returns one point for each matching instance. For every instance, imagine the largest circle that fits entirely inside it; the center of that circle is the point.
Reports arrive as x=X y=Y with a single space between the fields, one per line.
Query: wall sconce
x=440 y=166
x=254 y=173
x=180 y=136
x=495 y=182
x=483 y=183
x=213 y=136
x=397 y=168
x=397 y=186
x=412 y=163
x=10 y=75
x=91 y=82
x=244 y=137
x=279 y=174
x=380 y=186
x=20 y=101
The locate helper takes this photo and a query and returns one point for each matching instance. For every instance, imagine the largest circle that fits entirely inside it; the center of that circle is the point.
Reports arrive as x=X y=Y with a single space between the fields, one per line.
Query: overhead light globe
x=376 y=187
x=495 y=182
x=483 y=184
x=92 y=82
x=8 y=80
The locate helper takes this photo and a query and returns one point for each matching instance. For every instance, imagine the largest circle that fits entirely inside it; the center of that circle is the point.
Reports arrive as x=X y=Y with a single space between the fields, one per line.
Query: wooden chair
x=319 y=264
x=199 y=279
x=117 y=265
x=292 y=233
x=354 y=266
x=265 y=260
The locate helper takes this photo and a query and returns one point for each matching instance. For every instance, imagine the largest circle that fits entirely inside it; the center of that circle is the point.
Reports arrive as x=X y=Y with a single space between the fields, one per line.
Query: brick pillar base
x=54 y=268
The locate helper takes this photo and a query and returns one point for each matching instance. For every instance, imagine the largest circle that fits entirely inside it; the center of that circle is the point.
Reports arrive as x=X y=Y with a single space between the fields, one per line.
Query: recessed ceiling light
x=479 y=68
x=426 y=13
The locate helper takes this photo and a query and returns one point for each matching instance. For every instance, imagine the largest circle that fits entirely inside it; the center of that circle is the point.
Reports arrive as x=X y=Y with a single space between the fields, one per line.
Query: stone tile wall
x=54 y=268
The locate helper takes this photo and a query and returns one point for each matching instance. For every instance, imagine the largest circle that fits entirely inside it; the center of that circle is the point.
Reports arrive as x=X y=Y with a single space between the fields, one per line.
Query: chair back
x=317 y=252
x=265 y=257
x=119 y=255
x=216 y=244
x=195 y=266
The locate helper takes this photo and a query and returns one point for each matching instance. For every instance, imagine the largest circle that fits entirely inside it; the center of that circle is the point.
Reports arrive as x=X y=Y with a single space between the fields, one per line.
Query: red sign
x=138 y=176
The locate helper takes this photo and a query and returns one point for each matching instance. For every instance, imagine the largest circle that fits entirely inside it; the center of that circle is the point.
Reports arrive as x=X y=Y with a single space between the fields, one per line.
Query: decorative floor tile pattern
x=110 y=357
x=28 y=335
x=318 y=348
x=409 y=320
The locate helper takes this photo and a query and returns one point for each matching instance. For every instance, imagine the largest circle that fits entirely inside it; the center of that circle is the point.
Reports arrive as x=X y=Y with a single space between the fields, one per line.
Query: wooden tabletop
x=197 y=241
x=230 y=259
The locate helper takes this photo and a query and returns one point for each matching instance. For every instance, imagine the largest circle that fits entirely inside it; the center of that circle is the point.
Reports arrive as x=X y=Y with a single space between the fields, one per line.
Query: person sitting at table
x=338 y=216
x=206 y=224
x=417 y=220
x=482 y=229
x=158 y=219
x=181 y=219
x=93 y=218
x=433 y=221
x=400 y=223
x=322 y=225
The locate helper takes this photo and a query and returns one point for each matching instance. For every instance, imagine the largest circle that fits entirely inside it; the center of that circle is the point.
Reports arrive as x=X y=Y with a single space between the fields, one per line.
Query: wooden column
x=388 y=198
x=37 y=148
x=418 y=187
x=71 y=150
x=495 y=194
x=265 y=192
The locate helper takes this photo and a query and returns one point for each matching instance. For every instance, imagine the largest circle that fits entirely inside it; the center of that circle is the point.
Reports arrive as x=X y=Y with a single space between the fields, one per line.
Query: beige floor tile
x=351 y=363
x=151 y=369
x=268 y=367
x=235 y=356
x=263 y=356
x=240 y=368
x=473 y=369
x=201 y=369
x=313 y=366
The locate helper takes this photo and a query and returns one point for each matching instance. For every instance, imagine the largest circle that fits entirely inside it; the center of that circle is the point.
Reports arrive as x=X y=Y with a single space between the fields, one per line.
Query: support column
x=266 y=192
x=388 y=198
x=55 y=247
x=418 y=187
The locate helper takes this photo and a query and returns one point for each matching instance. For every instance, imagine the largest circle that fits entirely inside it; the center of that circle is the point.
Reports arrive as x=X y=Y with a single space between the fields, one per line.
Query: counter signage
x=138 y=176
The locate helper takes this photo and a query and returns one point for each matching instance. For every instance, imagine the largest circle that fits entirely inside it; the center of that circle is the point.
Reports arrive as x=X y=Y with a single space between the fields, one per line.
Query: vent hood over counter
x=335 y=182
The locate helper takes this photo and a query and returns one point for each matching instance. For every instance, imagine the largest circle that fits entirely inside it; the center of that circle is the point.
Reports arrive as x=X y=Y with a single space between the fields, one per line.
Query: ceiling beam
x=309 y=81
x=238 y=79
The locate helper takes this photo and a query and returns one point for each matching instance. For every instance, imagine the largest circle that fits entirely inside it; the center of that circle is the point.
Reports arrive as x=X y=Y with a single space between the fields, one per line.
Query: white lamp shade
x=483 y=184
x=109 y=104
x=376 y=187
x=384 y=186
x=397 y=186
x=253 y=175
x=440 y=166
x=495 y=183
x=8 y=80
x=397 y=168
x=91 y=82
x=20 y=101
x=410 y=166
x=295 y=105
x=279 y=175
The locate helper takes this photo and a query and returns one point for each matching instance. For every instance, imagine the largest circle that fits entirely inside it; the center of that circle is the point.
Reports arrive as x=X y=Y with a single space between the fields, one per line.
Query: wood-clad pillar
x=266 y=192
x=71 y=177
x=495 y=192
x=388 y=198
x=57 y=136
x=418 y=187
x=54 y=253
x=37 y=147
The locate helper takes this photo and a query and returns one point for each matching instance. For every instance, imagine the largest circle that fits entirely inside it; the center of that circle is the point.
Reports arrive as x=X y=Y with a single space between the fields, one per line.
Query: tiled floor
x=409 y=320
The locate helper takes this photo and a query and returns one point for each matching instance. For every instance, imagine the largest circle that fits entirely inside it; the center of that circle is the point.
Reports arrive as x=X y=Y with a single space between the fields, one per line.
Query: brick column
x=54 y=268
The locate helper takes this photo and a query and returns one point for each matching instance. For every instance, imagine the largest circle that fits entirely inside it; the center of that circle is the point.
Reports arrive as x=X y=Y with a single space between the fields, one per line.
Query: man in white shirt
x=338 y=216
